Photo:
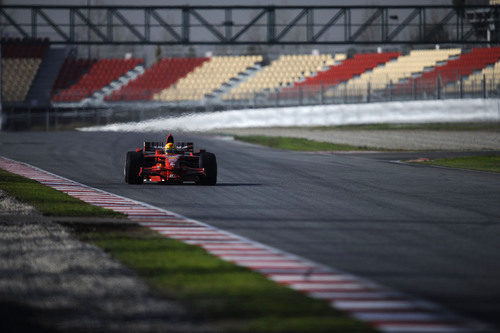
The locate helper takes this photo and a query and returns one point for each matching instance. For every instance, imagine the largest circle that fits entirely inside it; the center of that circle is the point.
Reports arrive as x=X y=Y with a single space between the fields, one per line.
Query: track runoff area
x=385 y=309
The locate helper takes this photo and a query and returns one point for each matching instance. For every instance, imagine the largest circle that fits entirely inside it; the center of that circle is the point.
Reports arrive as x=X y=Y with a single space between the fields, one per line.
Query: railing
x=74 y=114
x=318 y=94
x=342 y=94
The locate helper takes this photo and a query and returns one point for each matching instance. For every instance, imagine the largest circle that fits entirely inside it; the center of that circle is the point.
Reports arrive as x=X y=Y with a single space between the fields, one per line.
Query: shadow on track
x=238 y=184
x=193 y=184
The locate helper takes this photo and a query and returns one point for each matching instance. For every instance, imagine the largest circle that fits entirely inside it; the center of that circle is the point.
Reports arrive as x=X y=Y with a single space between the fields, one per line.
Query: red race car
x=170 y=163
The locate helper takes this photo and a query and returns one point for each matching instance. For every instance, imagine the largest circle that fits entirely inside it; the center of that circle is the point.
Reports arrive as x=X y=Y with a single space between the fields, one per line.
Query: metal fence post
x=300 y=95
x=414 y=89
x=461 y=86
x=345 y=92
x=492 y=85
x=438 y=86
x=390 y=90
x=368 y=90
x=322 y=94
x=495 y=89
x=484 y=85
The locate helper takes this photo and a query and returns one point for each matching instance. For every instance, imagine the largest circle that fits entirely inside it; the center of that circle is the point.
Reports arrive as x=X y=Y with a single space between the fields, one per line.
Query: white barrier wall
x=457 y=110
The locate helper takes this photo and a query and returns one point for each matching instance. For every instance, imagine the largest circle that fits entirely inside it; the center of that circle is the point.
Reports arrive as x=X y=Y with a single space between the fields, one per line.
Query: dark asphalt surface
x=430 y=232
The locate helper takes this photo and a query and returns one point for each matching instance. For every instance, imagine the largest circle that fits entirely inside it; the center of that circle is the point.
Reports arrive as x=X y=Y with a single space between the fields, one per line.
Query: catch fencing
x=62 y=116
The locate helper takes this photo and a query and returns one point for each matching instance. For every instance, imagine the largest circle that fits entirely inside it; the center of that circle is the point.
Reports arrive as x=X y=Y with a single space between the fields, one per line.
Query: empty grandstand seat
x=100 y=74
x=490 y=73
x=70 y=72
x=282 y=72
x=160 y=76
x=207 y=78
x=21 y=59
x=465 y=65
x=401 y=68
x=344 y=69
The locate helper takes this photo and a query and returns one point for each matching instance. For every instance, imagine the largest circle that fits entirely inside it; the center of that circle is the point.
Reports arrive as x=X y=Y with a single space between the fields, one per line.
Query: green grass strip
x=226 y=296
x=483 y=163
x=466 y=126
x=298 y=144
x=47 y=200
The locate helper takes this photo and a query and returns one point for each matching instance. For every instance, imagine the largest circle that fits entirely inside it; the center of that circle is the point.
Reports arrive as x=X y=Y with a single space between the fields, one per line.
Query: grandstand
x=159 y=77
x=21 y=59
x=401 y=68
x=282 y=72
x=474 y=82
x=223 y=79
x=342 y=70
x=101 y=73
x=208 y=78
x=349 y=68
x=288 y=60
x=70 y=72
x=454 y=70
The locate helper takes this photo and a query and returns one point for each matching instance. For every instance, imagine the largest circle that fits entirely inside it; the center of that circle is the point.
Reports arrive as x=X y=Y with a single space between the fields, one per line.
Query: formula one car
x=153 y=163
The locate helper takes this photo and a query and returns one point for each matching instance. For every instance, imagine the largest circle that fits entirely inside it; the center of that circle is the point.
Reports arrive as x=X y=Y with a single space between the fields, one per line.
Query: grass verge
x=49 y=201
x=466 y=126
x=229 y=297
x=297 y=143
x=483 y=163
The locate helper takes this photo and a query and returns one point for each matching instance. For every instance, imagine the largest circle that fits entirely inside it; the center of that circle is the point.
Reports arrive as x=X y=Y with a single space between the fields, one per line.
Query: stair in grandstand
x=234 y=82
x=98 y=96
x=40 y=90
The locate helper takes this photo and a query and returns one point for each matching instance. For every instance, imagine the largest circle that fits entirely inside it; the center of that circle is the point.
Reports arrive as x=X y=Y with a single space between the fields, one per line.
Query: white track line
x=381 y=307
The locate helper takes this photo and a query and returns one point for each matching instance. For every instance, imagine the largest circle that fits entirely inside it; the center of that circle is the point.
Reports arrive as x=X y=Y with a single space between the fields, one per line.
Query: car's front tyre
x=209 y=163
x=133 y=166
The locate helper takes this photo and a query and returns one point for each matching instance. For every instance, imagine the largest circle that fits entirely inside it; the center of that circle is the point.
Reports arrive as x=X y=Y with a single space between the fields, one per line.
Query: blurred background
x=96 y=62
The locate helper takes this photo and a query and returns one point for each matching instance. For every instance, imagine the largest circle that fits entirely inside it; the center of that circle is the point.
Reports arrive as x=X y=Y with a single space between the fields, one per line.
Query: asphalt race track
x=430 y=232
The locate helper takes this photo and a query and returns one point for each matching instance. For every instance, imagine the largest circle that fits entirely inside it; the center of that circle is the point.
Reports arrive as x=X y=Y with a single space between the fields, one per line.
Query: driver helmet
x=169 y=148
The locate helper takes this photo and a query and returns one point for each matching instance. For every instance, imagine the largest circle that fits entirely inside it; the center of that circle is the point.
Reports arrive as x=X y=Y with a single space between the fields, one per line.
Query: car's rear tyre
x=209 y=163
x=133 y=166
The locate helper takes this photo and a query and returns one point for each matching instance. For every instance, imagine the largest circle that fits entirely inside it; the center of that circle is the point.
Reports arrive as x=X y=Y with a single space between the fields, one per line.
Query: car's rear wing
x=152 y=146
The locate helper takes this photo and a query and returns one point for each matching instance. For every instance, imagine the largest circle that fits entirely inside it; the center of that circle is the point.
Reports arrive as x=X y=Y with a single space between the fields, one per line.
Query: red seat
x=466 y=64
x=160 y=76
x=99 y=73
x=356 y=65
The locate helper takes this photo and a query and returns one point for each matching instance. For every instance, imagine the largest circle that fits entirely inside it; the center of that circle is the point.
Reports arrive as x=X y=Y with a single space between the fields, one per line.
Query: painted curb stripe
x=383 y=308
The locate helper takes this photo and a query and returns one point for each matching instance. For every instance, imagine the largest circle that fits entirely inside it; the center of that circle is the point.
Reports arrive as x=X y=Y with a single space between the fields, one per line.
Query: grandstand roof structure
x=266 y=25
